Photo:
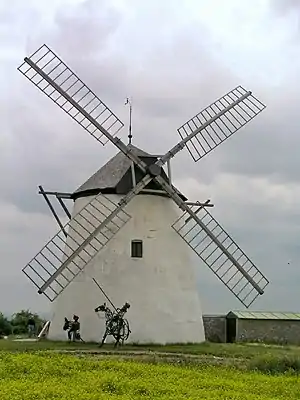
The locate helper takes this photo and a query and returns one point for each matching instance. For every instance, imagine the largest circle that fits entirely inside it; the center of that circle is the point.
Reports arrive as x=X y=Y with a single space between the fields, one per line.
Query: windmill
x=139 y=209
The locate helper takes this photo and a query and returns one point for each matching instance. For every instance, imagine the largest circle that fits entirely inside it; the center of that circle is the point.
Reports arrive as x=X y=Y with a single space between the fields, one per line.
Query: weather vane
x=130 y=115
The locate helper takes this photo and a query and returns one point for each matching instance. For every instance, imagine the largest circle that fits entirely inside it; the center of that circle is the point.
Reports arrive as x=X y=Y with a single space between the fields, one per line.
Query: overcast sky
x=174 y=58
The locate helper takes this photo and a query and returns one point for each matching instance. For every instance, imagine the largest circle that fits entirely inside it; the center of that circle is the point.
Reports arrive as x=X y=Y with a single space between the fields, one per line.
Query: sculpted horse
x=115 y=323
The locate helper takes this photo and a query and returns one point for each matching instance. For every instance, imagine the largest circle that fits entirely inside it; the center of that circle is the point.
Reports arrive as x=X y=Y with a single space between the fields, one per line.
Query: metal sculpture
x=115 y=323
x=73 y=328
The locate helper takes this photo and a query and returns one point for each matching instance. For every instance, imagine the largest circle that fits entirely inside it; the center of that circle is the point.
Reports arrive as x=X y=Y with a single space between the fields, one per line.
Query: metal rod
x=133 y=174
x=44 y=194
x=169 y=171
x=61 y=202
x=61 y=195
x=111 y=303
x=130 y=119
x=199 y=209
x=154 y=191
x=198 y=203
x=130 y=124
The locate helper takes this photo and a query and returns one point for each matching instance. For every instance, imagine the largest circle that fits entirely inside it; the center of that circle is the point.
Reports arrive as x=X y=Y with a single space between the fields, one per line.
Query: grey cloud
x=154 y=95
x=49 y=147
x=265 y=225
x=284 y=6
x=22 y=294
x=85 y=28
x=20 y=236
x=271 y=142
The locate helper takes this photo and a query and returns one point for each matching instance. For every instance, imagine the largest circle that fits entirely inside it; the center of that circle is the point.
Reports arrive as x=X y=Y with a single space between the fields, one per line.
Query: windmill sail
x=52 y=76
x=59 y=262
x=222 y=255
x=219 y=121
x=61 y=259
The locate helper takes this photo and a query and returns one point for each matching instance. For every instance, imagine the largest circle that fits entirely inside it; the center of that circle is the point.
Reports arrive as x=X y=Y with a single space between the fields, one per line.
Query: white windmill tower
x=131 y=229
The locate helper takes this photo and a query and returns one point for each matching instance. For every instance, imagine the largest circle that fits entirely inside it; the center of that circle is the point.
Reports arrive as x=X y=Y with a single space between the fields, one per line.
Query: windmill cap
x=115 y=177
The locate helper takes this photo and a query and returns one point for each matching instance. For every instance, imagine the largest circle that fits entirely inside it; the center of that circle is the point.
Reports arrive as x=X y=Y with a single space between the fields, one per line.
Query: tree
x=5 y=326
x=20 y=319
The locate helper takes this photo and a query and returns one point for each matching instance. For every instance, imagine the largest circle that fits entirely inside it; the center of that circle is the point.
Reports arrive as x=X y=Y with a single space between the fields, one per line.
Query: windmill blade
x=87 y=233
x=54 y=78
x=217 y=249
x=60 y=260
x=217 y=122
x=222 y=255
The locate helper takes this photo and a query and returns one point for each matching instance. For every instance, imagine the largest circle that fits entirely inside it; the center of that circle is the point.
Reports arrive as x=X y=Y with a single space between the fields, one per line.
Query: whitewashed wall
x=161 y=286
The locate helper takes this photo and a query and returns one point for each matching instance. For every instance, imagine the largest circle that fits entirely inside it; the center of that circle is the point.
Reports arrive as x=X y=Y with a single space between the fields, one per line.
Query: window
x=137 y=248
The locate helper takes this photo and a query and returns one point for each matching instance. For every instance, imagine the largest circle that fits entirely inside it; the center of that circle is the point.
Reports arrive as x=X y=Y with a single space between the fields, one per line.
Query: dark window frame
x=137 y=248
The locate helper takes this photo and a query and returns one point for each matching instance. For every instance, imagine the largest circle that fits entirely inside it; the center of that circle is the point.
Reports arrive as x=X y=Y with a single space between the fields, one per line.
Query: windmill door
x=231 y=330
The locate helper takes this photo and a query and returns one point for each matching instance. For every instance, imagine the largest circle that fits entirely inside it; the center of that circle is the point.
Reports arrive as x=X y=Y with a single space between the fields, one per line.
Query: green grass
x=264 y=358
x=47 y=375
x=244 y=351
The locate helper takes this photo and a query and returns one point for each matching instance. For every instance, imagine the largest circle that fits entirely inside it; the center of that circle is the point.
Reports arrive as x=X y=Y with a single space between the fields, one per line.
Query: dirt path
x=158 y=357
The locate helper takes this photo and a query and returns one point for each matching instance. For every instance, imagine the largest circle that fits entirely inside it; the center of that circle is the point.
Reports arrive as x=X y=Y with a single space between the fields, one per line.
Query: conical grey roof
x=108 y=176
x=115 y=175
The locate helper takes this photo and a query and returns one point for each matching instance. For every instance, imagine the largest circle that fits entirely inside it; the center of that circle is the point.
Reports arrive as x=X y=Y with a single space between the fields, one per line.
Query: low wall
x=215 y=328
x=272 y=331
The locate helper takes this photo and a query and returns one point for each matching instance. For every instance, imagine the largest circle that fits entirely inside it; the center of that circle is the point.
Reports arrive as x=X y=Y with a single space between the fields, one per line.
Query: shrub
x=5 y=326
x=276 y=365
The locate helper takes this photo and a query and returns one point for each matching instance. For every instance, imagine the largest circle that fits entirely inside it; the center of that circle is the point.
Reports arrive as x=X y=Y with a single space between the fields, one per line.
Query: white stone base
x=160 y=287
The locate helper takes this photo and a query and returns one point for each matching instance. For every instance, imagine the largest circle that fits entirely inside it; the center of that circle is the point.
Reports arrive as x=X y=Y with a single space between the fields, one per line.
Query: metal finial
x=130 y=119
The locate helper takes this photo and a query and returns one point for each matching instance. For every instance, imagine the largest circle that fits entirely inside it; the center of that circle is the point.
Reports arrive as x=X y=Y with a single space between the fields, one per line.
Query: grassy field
x=45 y=375
x=48 y=370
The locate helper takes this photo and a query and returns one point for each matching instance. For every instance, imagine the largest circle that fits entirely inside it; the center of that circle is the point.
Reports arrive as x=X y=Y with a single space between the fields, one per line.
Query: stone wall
x=272 y=331
x=215 y=328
